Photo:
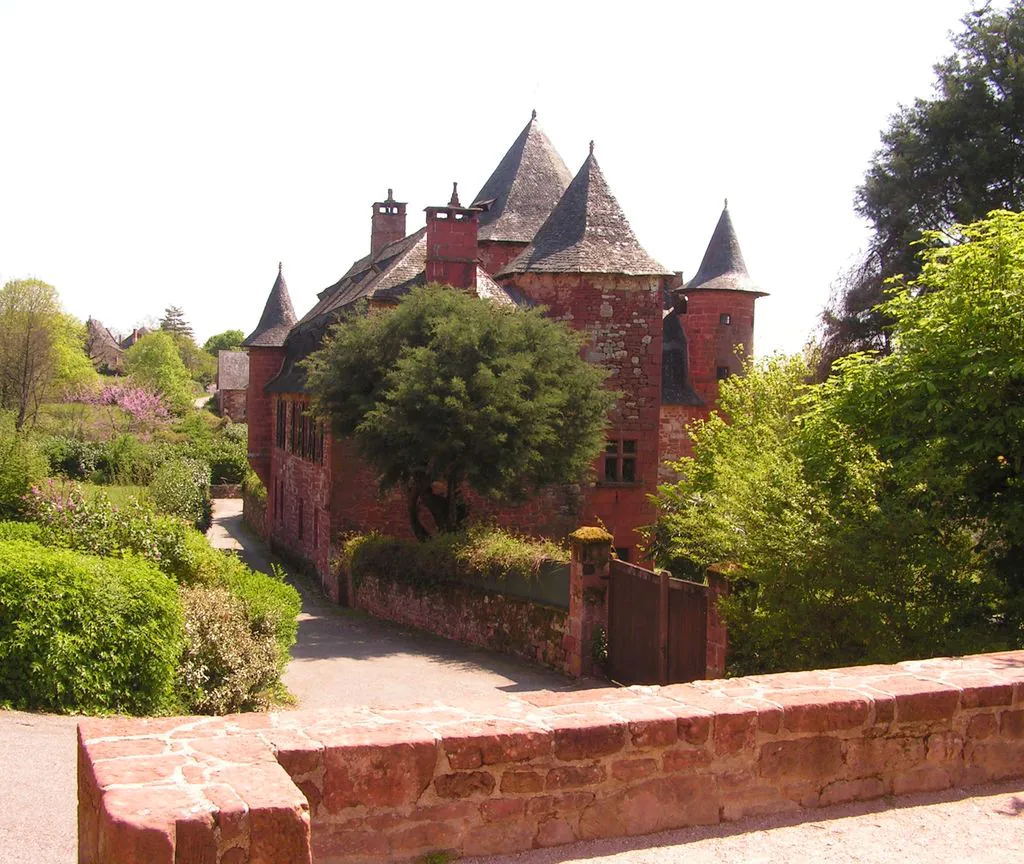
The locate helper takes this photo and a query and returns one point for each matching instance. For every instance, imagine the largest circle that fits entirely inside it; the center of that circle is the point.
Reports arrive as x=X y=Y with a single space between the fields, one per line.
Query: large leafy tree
x=449 y=392
x=947 y=405
x=155 y=363
x=41 y=348
x=879 y=515
x=226 y=341
x=945 y=160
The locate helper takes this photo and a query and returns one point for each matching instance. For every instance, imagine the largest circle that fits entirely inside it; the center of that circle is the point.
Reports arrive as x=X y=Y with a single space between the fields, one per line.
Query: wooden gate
x=657 y=627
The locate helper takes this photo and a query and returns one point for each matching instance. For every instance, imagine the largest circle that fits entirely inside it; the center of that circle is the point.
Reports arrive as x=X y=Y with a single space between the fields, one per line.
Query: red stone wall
x=712 y=343
x=497 y=622
x=298 y=496
x=493 y=256
x=232 y=403
x=674 y=441
x=717 y=634
x=374 y=785
x=622 y=319
x=264 y=364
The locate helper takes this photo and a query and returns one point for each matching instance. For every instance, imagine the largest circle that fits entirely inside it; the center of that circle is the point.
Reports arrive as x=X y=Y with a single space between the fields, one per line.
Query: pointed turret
x=524 y=188
x=587 y=233
x=277 y=319
x=723 y=267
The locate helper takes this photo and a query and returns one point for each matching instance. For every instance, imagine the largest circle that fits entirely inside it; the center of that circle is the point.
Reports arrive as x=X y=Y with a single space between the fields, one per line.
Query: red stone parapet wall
x=364 y=785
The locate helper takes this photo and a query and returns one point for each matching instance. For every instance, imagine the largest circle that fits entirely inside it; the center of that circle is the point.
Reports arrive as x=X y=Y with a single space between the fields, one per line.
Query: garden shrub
x=252 y=487
x=21 y=466
x=229 y=460
x=230 y=660
x=19 y=531
x=71 y=457
x=477 y=553
x=86 y=633
x=127 y=460
x=181 y=487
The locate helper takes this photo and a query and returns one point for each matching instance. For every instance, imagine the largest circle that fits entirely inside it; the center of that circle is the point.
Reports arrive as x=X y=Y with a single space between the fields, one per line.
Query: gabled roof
x=277 y=319
x=723 y=267
x=101 y=346
x=524 y=188
x=232 y=370
x=586 y=233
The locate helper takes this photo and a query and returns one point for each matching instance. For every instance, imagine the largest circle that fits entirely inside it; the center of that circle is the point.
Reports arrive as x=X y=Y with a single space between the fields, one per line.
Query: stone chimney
x=452 y=243
x=388 y=223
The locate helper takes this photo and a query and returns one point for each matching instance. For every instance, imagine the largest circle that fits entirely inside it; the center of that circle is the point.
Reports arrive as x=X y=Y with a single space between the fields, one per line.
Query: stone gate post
x=590 y=550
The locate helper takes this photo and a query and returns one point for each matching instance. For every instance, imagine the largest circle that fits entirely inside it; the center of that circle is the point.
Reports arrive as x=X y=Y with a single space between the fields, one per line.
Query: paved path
x=344 y=657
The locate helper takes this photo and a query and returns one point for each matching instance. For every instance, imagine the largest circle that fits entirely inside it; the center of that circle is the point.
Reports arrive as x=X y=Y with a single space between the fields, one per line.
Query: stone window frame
x=621 y=454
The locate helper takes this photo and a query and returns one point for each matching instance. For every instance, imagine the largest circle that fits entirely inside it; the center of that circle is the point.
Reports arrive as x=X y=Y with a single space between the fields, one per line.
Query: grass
x=117 y=495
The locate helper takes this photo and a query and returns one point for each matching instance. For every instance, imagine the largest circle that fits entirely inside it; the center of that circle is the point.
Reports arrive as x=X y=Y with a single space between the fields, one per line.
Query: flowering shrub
x=142 y=408
x=181 y=487
x=229 y=662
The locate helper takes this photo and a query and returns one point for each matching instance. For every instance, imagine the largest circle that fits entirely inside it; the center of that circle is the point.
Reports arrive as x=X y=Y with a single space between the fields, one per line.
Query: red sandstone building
x=534 y=235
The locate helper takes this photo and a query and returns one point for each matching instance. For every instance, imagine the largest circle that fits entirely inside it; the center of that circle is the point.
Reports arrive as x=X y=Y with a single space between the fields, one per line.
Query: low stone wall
x=226 y=490
x=365 y=785
x=254 y=515
x=511 y=625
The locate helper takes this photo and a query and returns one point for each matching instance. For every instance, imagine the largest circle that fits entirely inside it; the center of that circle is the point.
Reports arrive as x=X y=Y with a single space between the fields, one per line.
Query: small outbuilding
x=232 y=384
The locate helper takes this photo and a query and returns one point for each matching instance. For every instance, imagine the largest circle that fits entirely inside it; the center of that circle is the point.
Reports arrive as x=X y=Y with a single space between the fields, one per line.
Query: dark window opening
x=622 y=553
x=722 y=372
x=316 y=526
x=725 y=318
x=620 y=461
x=300 y=519
x=281 y=424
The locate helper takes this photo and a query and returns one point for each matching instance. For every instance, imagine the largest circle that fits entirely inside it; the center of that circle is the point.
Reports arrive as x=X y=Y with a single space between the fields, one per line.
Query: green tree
x=41 y=348
x=449 y=391
x=832 y=560
x=229 y=340
x=946 y=160
x=154 y=362
x=947 y=405
x=201 y=366
x=174 y=322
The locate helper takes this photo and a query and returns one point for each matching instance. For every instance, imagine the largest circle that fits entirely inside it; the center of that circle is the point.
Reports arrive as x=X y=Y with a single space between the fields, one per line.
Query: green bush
x=21 y=466
x=478 y=553
x=181 y=487
x=84 y=633
x=19 y=531
x=252 y=487
x=71 y=457
x=229 y=460
x=230 y=660
x=126 y=460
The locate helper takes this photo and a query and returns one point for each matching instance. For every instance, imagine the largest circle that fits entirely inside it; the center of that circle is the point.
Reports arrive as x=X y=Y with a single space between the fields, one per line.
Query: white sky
x=173 y=153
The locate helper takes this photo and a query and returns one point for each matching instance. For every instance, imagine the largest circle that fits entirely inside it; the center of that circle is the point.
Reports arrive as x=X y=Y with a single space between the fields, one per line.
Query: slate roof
x=277 y=319
x=587 y=232
x=232 y=370
x=676 y=388
x=135 y=336
x=396 y=270
x=723 y=267
x=524 y=188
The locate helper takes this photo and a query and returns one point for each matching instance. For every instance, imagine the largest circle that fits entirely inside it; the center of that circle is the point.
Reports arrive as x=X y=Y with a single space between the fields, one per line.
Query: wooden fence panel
x=633 y=625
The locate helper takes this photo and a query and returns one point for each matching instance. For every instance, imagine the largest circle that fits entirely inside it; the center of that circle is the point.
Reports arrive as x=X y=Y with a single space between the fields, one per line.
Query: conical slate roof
x=524 y=188
x=586 y=233
x=277 y=319
x=723 y=267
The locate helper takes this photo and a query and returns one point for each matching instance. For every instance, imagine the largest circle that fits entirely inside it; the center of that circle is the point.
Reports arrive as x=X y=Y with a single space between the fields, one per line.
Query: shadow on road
x=330 y=633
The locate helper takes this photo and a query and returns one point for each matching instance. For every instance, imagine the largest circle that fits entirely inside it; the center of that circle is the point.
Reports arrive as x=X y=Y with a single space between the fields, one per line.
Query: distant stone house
x=534 y=235
x=232 y=384
x=102 y=348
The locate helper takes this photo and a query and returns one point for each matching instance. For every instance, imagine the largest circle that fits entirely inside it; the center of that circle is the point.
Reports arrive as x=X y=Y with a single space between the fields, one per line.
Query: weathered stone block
x=807 y=758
